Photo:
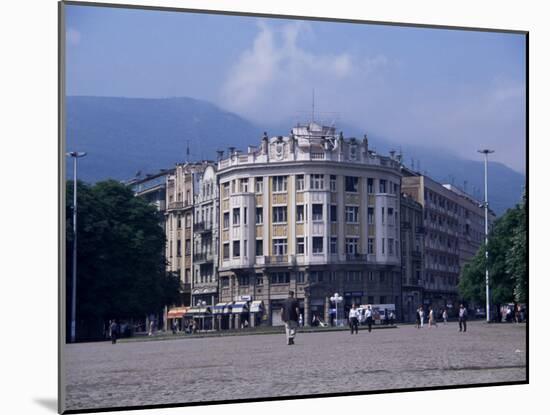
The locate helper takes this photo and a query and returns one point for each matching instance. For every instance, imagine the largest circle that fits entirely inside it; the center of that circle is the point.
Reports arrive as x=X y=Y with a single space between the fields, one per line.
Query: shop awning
x=219 y=308
x=177 y=312
x=256 y=306
x=198 y=311
x=239 y=307
x=227 y=308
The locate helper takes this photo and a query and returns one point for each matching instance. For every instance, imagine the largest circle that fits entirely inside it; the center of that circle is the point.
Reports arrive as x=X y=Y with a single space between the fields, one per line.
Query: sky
x=450 y=89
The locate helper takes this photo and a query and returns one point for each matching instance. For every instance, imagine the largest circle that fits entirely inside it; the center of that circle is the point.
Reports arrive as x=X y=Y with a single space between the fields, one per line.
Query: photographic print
x=277 y=207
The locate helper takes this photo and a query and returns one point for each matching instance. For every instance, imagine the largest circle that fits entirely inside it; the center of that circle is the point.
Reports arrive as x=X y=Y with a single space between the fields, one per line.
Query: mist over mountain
x=125 y=135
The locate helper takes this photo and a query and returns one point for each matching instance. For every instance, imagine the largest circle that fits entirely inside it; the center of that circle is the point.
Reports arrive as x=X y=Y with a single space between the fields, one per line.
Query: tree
x=501 y=281
x=516 y=263
x=121 y=264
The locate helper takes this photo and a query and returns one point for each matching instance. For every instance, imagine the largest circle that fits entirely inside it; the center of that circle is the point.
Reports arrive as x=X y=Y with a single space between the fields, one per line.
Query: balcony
x=203 y=227
x=276 y=260
x=203 y=257
x=356 y=258
x=177 y=205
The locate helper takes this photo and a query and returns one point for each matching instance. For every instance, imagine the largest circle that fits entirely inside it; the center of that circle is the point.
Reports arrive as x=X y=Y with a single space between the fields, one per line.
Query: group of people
x=432 y=320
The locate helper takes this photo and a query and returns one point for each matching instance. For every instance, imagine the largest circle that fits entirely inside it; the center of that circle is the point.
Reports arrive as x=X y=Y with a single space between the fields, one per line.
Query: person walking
x=368 y=316
x=417 y=321
x=114 y=331
x=289 y=316
x=462 y=317
x=354 y=319
x=431 y=318
x=301 y=321
x=392 y=318
x=445 y=317
x=421 y=312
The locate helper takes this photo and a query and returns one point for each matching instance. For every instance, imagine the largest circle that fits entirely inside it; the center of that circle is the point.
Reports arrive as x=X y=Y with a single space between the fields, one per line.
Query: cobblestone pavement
x=100 y=375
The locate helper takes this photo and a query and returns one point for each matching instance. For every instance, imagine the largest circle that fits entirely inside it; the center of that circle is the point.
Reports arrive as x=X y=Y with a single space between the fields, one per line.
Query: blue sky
x=456 y=90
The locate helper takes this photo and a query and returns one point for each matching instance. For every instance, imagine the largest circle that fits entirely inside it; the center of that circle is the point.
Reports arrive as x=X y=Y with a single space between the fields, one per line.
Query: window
x=259 y=185
x=226 y=220
x=179 y=248
x=236 y=216
x=301 y=277
x=370 y=299
x=300 y=213
x=382 y=277
x=352 y=214
x=259 y=279
x=316 y=276
x=370 y=185
x=317 y=212
x=188 y=220
x=382 y=299
x=280 y=278
x=188 y=197
x=333 y=213
x=259 y=247
x=353 y=276
x=333 y=245
x=370 y=216
x=352 y=246
x=245 y=248
x=225 y=190
x=245 y=214
x=236 y=249
x=279 y=246
x=226 y=251
x=225 y=281
x=259 y=216
x=279 y=214
x=317 y=181
x=382 y=215
x=179 y=222
x=370 y=276
x=352 y=184
x=243 y=185
x=244 y=280
x=332 y=276
x=300 y=182
x=390 y=246
x=383 y=244
x=382 y=186
x=188 y=247
x=317 y=245
x=279 y=183
x=332 y=183
x=300 y=246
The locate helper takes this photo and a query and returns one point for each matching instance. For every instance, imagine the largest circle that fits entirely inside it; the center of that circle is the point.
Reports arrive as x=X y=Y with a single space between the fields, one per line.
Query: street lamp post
x=75 y=155
x=486 y=152
x=336 y=298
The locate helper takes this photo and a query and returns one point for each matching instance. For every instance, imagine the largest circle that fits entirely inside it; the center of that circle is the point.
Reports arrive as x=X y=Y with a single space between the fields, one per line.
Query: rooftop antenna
x=313 y=105
x=187 y=153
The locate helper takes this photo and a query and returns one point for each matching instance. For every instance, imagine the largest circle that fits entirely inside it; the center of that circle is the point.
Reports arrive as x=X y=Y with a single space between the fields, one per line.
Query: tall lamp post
x=336 y=298
x=486 y=152
x=75 y=155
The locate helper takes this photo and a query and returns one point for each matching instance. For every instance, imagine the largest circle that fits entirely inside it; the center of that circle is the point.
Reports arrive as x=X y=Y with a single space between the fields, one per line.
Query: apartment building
x=412 y=256
x=181 y=185
x=312 y=212
x=454 y=225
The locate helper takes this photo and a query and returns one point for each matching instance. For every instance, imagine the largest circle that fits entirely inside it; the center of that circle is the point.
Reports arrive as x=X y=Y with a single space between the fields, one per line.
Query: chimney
x=220 y=154
x=231 y=151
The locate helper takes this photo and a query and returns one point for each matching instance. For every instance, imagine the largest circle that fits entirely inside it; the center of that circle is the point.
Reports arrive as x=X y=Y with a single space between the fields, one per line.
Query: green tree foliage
x=516 y=262
x=121 y=265
x=502 y=276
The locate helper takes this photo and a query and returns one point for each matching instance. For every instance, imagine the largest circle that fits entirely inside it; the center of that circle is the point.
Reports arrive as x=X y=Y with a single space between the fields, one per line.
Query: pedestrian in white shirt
x=354 y=319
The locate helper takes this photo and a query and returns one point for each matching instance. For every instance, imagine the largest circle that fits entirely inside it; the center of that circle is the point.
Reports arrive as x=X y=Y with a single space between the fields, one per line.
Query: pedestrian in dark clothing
x=290 y=314
x=462 y=317
x=114 y=331
x=353 y=319
x=417 y=324
x=368 y=315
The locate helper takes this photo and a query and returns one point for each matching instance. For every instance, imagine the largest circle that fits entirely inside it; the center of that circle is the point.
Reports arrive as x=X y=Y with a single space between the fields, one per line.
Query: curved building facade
x=314 y=213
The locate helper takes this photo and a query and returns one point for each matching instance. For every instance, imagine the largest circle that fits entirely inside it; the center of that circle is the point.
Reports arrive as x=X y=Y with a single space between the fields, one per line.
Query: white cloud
x=273 y=79
x=72 y=36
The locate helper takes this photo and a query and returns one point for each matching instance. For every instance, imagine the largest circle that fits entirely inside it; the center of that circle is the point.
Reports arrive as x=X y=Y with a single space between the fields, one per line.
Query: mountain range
x=125 y=135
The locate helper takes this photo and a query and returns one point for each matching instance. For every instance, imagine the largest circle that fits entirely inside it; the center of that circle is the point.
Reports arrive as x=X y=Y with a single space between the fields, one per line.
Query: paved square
x=103 y=375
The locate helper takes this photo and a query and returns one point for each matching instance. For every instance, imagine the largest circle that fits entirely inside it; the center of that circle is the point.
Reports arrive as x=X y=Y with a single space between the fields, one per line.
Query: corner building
x=314 y=213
